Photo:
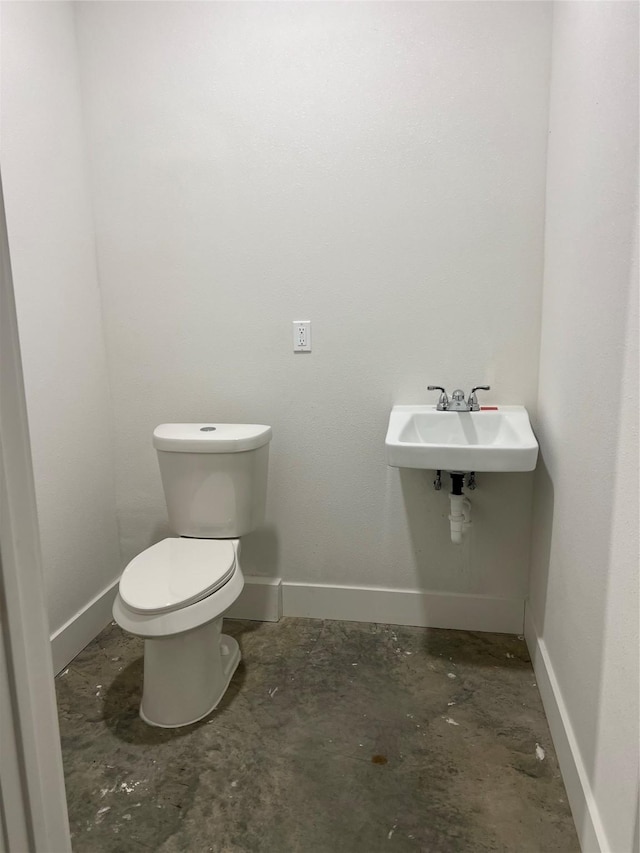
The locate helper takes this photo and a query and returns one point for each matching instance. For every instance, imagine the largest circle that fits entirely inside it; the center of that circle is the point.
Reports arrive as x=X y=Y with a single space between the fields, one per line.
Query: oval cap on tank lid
x=210 y=437
x=176 y=572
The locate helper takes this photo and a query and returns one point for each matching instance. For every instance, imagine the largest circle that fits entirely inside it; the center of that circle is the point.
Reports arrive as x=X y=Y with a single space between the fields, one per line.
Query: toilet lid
x=175 y=573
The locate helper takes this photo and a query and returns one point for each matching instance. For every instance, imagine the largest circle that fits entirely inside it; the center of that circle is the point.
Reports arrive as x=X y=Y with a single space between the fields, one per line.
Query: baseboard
x=584 y=809
x=403 y=607
x=267 y=599
x=261 y=599
x=85 y=626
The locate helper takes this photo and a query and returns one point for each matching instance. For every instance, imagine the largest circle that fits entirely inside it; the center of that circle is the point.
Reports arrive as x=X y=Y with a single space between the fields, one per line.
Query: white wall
x=584 y=581
x=377 y=168
x=52 y=247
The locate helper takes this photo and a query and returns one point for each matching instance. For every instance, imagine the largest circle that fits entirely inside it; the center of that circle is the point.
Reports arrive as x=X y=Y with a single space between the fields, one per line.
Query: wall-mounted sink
x=499 y=439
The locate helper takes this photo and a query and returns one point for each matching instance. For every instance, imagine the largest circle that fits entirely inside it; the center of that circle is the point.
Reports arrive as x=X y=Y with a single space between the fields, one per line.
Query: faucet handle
x=474 y=406
x=443 y=400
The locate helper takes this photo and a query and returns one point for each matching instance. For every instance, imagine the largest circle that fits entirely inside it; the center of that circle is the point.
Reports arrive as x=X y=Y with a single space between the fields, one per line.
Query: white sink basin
x=499 y=439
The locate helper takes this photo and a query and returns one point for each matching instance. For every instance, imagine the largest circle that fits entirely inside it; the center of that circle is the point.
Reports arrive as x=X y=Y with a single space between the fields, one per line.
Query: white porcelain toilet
x=175 y=593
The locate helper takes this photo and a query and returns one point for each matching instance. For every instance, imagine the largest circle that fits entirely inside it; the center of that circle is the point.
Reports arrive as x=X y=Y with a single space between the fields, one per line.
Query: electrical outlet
x=302 y=335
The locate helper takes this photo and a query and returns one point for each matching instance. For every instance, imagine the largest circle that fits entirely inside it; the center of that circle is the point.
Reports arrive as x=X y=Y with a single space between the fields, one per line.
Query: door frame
x=33 y=807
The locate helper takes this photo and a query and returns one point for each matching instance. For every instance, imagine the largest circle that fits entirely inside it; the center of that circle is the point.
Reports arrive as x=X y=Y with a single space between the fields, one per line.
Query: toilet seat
x=186 y=618
x=176 y=573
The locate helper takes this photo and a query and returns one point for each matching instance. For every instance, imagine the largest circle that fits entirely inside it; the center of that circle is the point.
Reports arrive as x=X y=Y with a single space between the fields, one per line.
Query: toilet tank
x=214 y=477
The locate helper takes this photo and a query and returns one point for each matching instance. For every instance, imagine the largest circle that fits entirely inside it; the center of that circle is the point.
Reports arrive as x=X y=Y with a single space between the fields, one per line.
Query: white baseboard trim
x=74 y=635
x=261 y=599
x=268 y=599
x=403 y=607
x=584 y=809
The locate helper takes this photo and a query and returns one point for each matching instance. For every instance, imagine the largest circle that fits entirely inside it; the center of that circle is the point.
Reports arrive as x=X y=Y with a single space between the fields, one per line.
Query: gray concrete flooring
x=335 y=737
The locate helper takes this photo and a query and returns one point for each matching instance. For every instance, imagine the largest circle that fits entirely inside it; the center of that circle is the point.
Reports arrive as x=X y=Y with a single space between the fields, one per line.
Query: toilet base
x=186 y=676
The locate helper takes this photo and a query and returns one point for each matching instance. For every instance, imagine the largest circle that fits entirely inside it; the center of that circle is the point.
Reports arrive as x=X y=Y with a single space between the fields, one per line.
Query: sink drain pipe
x=460 y=516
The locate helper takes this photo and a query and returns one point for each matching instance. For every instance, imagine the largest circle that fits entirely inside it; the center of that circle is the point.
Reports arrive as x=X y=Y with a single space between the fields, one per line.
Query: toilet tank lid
x=210 y=437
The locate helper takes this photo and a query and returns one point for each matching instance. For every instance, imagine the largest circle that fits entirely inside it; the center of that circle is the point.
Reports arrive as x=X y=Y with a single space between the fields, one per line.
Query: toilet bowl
x=174 y=594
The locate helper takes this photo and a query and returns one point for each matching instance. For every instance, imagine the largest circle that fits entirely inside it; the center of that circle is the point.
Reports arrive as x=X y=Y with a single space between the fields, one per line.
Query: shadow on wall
x=427 y=514
x=576 y=572
x=493 y=558
x=542 y=526
x=260 y=553
x=160 y=532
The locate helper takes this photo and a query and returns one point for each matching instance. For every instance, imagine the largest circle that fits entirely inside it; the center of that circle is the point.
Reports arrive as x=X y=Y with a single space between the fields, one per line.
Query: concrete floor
x=335 y=737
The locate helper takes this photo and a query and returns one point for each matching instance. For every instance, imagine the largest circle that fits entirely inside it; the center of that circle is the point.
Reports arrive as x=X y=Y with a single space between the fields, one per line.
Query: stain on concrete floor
x=334 y=737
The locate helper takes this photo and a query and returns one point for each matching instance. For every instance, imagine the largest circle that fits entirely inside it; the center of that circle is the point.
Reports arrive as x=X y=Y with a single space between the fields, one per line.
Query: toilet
x=174 y=594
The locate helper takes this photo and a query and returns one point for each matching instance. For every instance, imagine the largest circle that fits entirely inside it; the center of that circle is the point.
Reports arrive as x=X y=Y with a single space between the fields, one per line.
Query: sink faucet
x=457 y=403
x=443 y=400
x=474 y=406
